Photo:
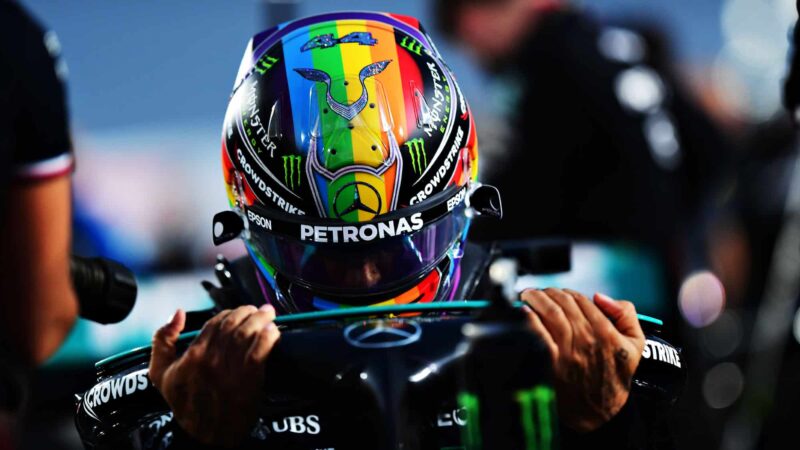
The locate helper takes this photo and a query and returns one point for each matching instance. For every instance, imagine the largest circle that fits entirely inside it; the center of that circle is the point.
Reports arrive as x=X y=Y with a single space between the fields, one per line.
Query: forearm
x=37 y=305
x=40 y=317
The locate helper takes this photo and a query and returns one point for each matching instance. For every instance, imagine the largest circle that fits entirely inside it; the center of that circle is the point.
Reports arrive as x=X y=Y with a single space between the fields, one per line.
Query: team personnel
x=791 y=89
x=37 y=303
x=606 y=141
x=352 y=155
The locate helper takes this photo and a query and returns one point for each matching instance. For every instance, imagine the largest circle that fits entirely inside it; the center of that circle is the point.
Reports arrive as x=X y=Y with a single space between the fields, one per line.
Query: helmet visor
x=367 y=258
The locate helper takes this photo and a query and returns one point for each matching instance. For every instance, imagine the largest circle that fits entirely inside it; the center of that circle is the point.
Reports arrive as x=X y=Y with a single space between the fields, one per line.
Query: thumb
x=622 y=314
x=163 y=351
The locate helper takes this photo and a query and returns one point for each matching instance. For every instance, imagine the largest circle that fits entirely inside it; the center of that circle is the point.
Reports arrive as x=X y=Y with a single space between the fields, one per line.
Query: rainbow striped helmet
x=350 y=152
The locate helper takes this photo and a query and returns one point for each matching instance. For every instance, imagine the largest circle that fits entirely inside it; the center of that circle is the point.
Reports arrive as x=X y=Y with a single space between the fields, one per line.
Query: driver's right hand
x=214 y=388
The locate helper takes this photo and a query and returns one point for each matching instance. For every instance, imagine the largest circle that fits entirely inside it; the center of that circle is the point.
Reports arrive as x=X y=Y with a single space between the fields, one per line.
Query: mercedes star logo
x=382 y=334
x=356 y=196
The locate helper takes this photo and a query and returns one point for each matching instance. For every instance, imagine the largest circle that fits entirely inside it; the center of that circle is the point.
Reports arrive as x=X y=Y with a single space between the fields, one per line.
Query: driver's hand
x=214 y=388
x=595 y=348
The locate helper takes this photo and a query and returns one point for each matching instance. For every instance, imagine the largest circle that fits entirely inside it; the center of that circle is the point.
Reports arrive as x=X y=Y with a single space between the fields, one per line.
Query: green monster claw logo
x=291 y=170
x=265 y=63
x=419 y=159
x=537 y=414
x=411 y=45
x=471 y=434
x=537 y=402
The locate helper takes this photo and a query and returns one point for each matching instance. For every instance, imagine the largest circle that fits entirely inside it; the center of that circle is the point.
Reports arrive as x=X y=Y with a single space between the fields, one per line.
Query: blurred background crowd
x=712 y=248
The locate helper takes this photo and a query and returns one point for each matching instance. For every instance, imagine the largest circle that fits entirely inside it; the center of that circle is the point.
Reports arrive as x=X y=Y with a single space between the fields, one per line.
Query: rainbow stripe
x=343 y=62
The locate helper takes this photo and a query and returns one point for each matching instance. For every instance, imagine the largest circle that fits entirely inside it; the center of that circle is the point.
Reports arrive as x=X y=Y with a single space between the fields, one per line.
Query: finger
x=255 y=323
x=210 y=328
x=263 y=344
x=163 y=350
x=540 y=330
x=592 y=313
x=235 y=318
x=228 y=346
x=552 y=317
x=622 y=314
x=269 y=309
x=569 y=304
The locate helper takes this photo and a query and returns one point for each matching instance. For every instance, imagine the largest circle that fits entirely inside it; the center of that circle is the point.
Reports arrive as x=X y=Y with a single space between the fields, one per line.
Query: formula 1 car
x=459 y=374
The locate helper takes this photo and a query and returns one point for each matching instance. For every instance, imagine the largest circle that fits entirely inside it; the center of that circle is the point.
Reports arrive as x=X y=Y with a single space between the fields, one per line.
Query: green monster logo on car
x=291 y=170
x=537 y=414
x=538 y=403
x=419 y=159
x=471 y=434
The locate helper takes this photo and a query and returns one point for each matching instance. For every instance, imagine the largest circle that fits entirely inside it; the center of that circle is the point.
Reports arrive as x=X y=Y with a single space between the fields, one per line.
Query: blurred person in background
x=609 y=145
x=765 y=212
x=791 y=91
x=37 y=304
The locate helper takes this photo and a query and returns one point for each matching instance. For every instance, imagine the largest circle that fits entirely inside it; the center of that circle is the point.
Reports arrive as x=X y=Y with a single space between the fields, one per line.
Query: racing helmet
x=349 y=154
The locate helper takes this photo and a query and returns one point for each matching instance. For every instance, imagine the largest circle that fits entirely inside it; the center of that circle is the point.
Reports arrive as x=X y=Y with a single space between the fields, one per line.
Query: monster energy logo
x=537 y=417
x=265 y=63
x=471 y=434
x=419 y=159
x=411 y=45
x=291 y=170
x=536 y=408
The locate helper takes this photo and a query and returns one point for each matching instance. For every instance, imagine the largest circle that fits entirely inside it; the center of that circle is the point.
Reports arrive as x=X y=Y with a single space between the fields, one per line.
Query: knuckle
x=545 y=304
x=264 y=316
x=158 y=338
x=606 y=330
x=227 y=326
x=555 y=292
x=578 y=358
x=211 y=324
x=528 y=295
x=205 y=329
x=220 y=316
x=588 y=339
x=247 y=309
x=194 y=353
x=557 y=313
x=575 y=294
x=240 y=334
x=161 y=332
